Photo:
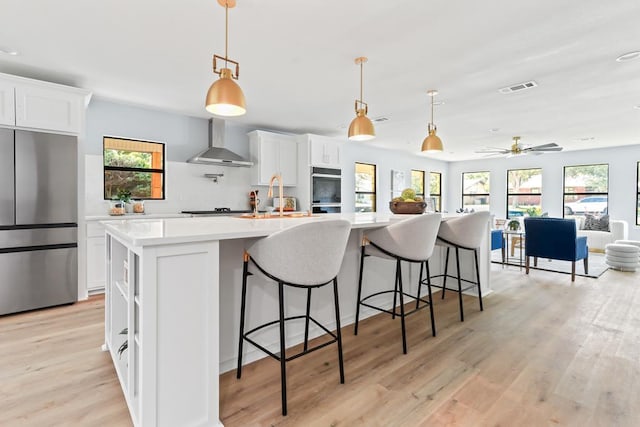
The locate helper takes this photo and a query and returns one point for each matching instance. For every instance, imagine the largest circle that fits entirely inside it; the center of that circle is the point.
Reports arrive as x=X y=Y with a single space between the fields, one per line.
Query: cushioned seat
x=410 y=240
x=623 y=256
x=304 y=256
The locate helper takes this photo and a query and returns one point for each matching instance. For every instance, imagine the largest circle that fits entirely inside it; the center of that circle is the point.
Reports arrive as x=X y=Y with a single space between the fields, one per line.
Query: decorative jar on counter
x=116 y=207
x=137 y=206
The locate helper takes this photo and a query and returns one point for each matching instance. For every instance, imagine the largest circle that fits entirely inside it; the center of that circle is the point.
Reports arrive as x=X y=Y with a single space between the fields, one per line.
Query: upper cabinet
x=7 y=104
x=273 y=153
x=324 y=152
x=32 y=104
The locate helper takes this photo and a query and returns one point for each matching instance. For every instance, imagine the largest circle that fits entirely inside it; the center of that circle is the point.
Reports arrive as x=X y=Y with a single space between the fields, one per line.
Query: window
x=586 y=190
x=365 y=187
x=435 y=190
x=475 y=191
x=136 y=167
x=638 y=196
x=417 y=182
x=524 y=192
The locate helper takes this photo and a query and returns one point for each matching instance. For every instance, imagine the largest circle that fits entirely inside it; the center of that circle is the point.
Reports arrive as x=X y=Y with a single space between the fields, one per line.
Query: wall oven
x=326 y=190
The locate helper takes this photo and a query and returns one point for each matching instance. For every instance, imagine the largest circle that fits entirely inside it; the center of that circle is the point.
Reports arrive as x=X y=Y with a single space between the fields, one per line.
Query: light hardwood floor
x=544 y=352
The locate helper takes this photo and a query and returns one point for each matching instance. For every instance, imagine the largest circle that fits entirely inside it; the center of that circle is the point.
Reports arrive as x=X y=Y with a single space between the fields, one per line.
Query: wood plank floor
x=544 y=352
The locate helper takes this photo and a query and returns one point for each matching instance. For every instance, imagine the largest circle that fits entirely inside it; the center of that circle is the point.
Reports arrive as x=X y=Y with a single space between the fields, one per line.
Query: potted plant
x=125 y=197
x=513 y=225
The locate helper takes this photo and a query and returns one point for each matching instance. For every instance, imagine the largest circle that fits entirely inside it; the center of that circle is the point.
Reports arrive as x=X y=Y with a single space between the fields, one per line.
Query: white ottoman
x=623 y=256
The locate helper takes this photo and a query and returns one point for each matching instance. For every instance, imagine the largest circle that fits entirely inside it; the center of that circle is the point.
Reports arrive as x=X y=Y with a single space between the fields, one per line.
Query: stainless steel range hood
x=216 y=154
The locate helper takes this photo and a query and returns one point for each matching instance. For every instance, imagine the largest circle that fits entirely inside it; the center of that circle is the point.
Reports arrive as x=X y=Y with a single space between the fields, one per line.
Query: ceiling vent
x=518 y=87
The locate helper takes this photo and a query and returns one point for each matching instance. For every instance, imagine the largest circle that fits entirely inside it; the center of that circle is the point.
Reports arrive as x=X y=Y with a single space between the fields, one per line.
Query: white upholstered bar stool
x=411 y=240
x=464 y=232
x=305 y=256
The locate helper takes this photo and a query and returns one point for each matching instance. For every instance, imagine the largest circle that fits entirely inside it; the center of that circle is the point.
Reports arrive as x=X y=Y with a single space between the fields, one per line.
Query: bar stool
x=303 y=256
x=410 y=240
x=465 y=232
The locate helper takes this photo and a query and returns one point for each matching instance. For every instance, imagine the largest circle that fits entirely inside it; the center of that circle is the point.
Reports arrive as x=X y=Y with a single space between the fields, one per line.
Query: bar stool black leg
x=395 y=291
x=433 y=322
x=245 y=267
x=283 y=357
x=400 y=292
x=475 y=254
x=459 y=284
x=306 y=322
x=338 y=332
x=355 y=327
x=446 y=269
x=419 y=286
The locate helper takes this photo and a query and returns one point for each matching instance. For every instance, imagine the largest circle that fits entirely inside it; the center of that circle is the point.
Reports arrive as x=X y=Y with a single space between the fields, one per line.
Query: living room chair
x=555 y=238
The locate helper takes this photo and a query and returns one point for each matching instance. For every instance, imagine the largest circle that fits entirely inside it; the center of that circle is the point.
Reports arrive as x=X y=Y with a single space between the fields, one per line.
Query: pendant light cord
x=226 y=33
x=361 y=66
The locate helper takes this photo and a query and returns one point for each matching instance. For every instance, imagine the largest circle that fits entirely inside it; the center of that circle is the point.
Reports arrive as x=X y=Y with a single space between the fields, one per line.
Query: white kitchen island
x=173 y=288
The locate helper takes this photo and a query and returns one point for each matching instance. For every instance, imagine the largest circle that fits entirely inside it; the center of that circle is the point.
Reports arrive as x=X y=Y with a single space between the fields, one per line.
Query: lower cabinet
x=95 y=257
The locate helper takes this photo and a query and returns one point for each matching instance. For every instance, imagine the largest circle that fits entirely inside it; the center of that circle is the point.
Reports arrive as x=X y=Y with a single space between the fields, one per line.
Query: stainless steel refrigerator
x=38 y=220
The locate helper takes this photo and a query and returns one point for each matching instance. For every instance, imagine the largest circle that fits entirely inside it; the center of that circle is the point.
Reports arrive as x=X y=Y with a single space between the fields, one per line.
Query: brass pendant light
x=361 y=128
x=432 y=143
x=225 y=98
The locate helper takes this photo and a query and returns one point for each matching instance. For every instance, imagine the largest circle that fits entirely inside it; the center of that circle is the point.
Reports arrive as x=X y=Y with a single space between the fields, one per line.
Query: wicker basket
x=407 y=207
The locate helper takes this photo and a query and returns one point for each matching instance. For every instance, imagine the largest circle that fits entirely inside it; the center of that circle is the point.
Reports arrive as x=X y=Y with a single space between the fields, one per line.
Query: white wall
x=622 y=180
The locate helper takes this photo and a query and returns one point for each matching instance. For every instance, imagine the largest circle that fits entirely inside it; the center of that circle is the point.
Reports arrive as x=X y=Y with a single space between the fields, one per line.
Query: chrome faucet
x=278 y=177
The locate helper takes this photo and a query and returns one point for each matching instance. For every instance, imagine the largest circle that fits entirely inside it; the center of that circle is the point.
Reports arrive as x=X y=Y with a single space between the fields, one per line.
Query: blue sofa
x=555 y=238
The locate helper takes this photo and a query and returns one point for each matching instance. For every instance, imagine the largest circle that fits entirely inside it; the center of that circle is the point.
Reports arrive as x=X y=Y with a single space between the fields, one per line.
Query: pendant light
x=361 y=128
x=432 y=142
x=225 y=98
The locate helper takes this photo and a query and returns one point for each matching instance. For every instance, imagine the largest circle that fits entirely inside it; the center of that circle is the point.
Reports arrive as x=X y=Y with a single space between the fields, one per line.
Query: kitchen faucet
x=278 y=177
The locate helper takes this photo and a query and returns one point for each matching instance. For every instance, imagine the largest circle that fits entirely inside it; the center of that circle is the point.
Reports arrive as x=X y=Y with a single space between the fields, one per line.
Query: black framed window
x=586 y=190
x=417 y=182
x=133 y=167
x=435 y=190
x=365 y=187
x=476 y=191
x=524 y=192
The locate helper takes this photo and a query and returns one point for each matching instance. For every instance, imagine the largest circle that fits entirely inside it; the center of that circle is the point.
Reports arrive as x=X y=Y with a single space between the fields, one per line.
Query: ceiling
x=298 y=74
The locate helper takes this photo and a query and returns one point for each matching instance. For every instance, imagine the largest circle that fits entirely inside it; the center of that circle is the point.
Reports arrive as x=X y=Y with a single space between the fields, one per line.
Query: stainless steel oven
x=326 y=190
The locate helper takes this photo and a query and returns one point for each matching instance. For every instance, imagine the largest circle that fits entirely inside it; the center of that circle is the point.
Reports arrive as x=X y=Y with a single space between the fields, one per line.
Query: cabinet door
x=7 y=104
x=318 y=153
x=333 y=149
x=96 y=275
x=43 y=108
x=289 y=162
x=269 y=162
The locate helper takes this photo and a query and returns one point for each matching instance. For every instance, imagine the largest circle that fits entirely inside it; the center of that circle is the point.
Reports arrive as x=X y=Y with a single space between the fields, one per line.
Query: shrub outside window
x=365 y=188
x=417 y=182
x=435 y=190
x=133 y=167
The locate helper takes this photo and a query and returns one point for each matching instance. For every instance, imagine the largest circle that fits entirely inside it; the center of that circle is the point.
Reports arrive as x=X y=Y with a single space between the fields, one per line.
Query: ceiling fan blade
x=493 y=150
x=547 y=149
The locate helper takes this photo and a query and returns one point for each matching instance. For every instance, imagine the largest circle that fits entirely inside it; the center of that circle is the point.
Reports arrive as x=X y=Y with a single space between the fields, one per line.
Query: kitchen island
x=172 y=303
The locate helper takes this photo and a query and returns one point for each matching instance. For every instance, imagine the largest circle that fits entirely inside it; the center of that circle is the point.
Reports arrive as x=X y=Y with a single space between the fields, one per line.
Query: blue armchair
x=555 y=238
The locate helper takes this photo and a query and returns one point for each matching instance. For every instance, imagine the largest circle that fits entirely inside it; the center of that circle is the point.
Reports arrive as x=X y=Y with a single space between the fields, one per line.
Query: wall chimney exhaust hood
x=216 y=154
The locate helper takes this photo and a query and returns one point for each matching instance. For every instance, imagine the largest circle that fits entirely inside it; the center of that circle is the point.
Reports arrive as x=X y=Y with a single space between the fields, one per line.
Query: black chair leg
x=338 y=332
x=419 y=285
x=283 y=356
x=475 y=255
x=245 y=269
x=433 y=322
x=459 y=284
x=400 y=292
x=306 y=322
x=586 y=264
x=395 y=293
x=446 y=270
x=355 y=327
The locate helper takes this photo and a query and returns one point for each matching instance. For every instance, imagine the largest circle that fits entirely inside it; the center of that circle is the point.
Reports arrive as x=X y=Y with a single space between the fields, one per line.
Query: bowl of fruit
x=407 y=203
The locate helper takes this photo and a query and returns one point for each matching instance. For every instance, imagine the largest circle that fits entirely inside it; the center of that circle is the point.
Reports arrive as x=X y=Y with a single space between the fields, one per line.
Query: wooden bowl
x=407 y=207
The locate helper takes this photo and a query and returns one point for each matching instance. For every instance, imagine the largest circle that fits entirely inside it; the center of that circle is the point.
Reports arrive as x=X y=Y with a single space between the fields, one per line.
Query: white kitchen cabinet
x=324 y=152
x=95 y=257
x=7 y=104
x=273 y=153
x=33 y=104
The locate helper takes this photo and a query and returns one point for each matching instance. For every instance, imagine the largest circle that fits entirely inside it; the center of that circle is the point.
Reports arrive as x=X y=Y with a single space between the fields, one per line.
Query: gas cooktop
x=217 y=211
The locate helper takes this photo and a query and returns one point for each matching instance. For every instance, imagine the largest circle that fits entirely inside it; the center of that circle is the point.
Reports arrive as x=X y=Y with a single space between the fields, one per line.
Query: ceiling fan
x=517 y=148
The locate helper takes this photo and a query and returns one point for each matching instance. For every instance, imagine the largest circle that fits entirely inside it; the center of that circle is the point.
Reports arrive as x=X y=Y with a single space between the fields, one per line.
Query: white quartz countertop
x=152 y=232
x=135 y=216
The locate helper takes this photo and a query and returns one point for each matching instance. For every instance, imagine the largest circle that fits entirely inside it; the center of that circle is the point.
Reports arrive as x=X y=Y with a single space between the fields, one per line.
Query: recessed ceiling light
x=637 y=107
x=494 y=129
x=585 y=139
x=628 y=56
x=8 y=51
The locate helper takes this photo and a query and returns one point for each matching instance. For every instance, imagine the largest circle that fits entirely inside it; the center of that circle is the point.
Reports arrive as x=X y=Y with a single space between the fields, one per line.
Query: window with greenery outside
x=475 y=191
x=133 y=169
x=365 y=180
x=586 y=190
x=435 y=189
x=524 y=192
x=417 y=182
